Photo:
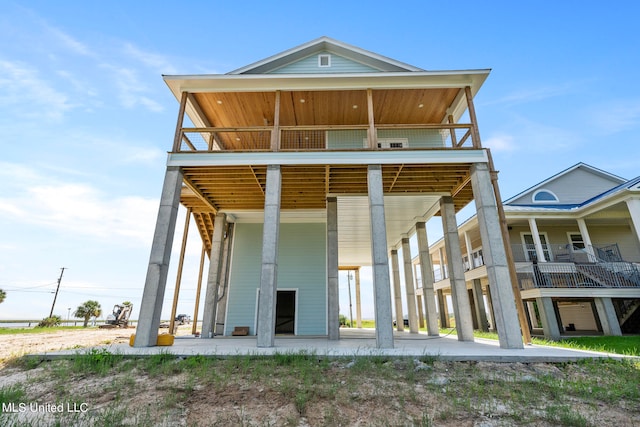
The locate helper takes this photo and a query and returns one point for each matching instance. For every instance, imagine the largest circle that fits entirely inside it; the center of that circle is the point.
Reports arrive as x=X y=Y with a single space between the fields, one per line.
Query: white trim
x=544 y=190
x=364 y=157
x=323 y=56
x=295 y=317
x=546 y=247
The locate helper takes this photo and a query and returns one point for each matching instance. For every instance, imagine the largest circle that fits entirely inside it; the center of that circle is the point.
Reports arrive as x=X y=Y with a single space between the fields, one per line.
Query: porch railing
x=315 y=138
x=563 y=252
x=566 y=275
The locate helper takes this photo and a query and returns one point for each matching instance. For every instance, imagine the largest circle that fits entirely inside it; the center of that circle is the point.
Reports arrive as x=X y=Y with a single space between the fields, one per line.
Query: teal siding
x=346 y=139
x=416 y=138
x=339 y=64
x=302 y=266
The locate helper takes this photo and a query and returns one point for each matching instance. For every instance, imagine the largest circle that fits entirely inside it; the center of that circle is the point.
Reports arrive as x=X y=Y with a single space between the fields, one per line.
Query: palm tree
x=87 y=310
x=3 y=295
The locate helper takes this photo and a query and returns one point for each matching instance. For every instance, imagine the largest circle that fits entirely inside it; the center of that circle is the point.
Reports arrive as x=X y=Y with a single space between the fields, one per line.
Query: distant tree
x=87 y=310
x=3 y=295
x=50 y=322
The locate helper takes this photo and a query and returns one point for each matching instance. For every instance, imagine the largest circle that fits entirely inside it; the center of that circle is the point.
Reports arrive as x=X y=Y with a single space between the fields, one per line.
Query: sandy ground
x=20 y=344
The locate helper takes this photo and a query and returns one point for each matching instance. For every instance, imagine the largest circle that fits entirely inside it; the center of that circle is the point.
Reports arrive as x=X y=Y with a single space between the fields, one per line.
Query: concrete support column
x=380 y=259
x=426 y=270
x=358 y=301
x=481 y=312
x=495 y=257
x=634 y=210
x=223 y=290
x=444 y=309
x=397 y=297
x=213 y=278
x=548 y=318
x=333 y=300
x=586 y=238
x=536 y=240
x=461 y=304
x=410 y=288
x=608 y=317
x=156 y=280
x=269 y=271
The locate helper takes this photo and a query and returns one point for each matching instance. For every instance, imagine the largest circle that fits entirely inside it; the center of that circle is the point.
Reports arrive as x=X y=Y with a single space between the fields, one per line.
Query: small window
x=388 y=143
x=324 y=60
x=544 y=196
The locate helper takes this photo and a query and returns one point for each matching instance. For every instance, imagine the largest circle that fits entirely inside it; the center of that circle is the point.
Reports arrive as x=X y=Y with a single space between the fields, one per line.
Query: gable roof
x=325 y=44
x=614 y=179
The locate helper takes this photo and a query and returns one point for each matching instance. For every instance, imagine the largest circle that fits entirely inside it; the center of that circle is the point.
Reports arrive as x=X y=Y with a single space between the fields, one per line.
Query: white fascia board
x=355 y=81
x=326 y=158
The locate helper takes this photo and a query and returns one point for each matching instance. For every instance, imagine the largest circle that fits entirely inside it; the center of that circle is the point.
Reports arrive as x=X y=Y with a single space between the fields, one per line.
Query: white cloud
x=500 y=142
x=132 y=91
x=78 y=208
x=617 y=116
x=25 y=93
x=154 y=61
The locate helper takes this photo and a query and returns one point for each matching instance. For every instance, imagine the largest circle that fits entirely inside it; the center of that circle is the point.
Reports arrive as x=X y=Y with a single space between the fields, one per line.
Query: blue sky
x=86 y=119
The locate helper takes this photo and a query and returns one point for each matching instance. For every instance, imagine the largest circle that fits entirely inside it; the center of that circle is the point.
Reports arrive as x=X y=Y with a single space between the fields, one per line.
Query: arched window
x=544 y=196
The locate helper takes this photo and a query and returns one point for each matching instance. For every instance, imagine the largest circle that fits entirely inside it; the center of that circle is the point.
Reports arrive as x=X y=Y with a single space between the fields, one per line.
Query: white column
x=467 y=244
x=634 y=210
x=380 y=259
x=269 y=271
x=586 y=238
x=536 y=240
x=156 y=280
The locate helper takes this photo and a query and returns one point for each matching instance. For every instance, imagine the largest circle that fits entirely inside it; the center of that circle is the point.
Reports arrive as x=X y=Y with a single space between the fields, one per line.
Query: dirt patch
x=311 y=391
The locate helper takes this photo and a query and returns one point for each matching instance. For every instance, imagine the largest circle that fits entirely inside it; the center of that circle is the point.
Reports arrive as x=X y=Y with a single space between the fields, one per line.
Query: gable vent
x=324 y=60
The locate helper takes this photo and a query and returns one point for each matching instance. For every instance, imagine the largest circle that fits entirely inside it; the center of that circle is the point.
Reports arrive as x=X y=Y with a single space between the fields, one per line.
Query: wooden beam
x=472 y=117
x=177 y=140
x=275 y=132
x=257 y=180
x=199 y=194
x=183 y=248
x=395 y=178
x=372 y=137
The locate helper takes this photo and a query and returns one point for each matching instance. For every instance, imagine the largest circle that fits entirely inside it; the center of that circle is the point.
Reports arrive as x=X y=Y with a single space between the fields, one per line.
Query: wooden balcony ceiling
x=238 y=188
x=323 y=108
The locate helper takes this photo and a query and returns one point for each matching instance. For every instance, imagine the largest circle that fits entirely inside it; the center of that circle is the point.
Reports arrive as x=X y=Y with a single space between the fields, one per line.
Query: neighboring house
x=575 y=242
x=322 y=157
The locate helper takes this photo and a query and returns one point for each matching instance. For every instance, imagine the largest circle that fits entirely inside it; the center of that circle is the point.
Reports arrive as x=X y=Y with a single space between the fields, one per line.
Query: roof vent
x=324 y=60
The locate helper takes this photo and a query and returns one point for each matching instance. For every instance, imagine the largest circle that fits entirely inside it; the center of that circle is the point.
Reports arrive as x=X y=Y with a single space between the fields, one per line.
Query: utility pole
x=57 y=289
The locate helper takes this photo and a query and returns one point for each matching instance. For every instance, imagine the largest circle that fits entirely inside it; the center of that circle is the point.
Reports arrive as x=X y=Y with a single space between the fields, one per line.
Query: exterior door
x=286 y=312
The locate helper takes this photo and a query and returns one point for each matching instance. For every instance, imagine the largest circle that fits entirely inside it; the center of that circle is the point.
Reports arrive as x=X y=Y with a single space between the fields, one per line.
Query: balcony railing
x=567 y=275
x=563 y=252
x=317 y=138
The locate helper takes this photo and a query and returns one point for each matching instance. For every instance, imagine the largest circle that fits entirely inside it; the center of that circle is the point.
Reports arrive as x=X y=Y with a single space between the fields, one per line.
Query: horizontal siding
x=301 y=266
x=416 y=138
x=339 y=64
x=574 y=187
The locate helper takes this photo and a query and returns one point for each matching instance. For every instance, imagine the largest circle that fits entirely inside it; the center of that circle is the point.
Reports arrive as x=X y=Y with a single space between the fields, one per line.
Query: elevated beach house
x=575 y=240
x=322 y=157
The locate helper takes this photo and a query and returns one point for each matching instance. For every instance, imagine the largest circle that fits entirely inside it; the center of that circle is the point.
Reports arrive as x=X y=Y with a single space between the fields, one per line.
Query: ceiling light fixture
x=219 y=102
